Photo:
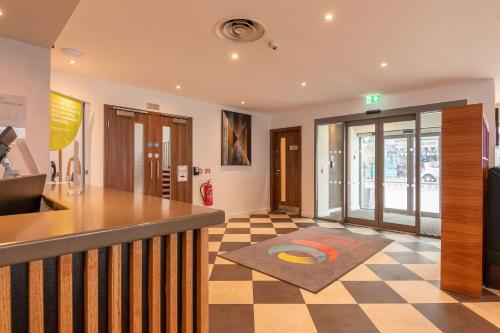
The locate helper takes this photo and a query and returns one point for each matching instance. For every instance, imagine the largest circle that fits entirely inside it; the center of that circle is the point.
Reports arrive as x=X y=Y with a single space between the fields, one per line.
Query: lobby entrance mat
x=310 y=258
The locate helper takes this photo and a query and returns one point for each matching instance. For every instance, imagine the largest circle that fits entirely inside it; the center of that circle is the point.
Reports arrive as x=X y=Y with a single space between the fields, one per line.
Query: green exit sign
x=372 y=99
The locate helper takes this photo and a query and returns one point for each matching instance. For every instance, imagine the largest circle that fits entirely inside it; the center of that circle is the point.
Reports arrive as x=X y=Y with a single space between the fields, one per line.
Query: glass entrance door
x=397 y=190
x=361 y=173
x=382 y=172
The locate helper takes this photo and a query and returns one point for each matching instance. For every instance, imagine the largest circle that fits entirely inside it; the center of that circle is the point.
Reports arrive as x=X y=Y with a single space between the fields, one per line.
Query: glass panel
x=138 y=158
x=361 y=172
x=330 y=171
x=430 y=171
x=283 y=169
x=399 y=170
x=166 y=162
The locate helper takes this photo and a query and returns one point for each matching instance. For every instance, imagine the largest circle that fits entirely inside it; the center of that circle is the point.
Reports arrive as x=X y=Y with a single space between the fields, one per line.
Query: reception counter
x=105 y=260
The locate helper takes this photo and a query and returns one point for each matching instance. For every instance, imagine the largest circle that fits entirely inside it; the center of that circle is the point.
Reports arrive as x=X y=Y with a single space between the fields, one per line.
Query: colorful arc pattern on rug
x=315 y=252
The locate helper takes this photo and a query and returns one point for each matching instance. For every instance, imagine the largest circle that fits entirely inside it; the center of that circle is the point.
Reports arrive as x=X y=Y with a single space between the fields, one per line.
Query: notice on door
x=182 y=173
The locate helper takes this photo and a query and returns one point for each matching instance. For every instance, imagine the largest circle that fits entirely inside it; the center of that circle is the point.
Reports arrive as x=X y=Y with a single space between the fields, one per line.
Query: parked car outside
x=429 y=172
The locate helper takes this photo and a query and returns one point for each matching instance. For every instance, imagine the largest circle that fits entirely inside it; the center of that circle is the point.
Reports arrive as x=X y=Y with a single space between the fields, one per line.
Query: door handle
x=151 y=164
x=157 y=169
x=278 y=170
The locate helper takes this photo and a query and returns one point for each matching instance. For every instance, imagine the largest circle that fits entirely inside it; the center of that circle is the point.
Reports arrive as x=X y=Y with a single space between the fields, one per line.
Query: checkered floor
x=397 y=290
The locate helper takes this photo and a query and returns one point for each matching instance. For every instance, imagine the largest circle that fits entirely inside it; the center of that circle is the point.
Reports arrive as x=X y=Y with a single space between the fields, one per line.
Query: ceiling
x=158 y=44
x=36 y=22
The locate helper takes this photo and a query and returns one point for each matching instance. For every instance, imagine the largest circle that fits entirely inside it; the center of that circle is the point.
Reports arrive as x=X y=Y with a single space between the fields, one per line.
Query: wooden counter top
x=98 y=218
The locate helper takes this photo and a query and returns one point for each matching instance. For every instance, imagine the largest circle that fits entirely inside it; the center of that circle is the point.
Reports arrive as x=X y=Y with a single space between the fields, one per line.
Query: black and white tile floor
x=396 y=290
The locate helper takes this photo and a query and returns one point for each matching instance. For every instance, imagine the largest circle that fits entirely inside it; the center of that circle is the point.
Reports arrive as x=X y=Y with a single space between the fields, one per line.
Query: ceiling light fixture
x=72 y=62
x=235 y=56
x=303 y=84
x=178 y=87
x=243 y=102
x=383 y=64
x=1 y=13
x=328 y=17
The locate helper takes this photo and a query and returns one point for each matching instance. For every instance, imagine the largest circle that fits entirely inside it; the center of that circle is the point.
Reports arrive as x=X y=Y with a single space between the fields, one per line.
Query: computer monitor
x=21 y=195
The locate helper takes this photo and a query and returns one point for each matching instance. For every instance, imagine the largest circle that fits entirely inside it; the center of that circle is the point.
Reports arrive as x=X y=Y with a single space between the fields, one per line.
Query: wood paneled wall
x=464 y=159
x=170 y=272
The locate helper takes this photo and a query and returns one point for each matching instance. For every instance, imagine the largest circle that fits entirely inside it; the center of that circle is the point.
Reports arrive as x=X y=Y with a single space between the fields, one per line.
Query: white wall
x=25 y=71
x=477 y=91
x=237 y=189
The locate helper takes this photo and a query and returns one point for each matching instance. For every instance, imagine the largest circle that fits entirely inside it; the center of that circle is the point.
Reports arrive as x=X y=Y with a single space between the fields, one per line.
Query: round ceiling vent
x=241 y=30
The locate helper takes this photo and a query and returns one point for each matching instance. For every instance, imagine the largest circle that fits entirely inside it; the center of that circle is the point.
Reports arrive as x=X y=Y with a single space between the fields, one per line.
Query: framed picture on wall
x=236 y=145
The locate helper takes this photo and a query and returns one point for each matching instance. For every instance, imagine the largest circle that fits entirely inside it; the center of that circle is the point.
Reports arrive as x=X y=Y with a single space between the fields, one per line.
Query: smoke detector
x=240 y=30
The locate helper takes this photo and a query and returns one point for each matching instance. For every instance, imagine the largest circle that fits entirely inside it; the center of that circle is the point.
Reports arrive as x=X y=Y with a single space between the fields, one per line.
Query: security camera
x=274 y=45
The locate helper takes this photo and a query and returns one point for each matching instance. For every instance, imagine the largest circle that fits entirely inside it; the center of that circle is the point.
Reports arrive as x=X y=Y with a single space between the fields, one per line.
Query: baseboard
x=248 y=212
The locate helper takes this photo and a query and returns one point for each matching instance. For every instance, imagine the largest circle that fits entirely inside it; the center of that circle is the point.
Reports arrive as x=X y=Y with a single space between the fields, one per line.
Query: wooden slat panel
x=462 y=200
x=65 y=285
x=154 y=285
x=187 y=282
x=171 y=287
x=91 y=291
x=36 y=296
x=202 y=280
x=136 y=287
x=5 y=304
x=115 y=289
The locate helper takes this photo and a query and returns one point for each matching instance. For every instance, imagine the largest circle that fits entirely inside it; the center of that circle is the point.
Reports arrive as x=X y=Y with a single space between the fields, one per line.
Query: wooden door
x=135 y=153
x=286 y=169
x=118 y=149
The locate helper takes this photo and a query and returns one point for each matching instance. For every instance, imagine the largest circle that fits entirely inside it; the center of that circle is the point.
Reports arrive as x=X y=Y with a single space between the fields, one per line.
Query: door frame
x=416 y=110
x=271 y=163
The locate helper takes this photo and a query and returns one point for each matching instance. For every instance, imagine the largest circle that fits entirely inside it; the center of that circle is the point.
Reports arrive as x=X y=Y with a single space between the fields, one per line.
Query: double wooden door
x=148 y=153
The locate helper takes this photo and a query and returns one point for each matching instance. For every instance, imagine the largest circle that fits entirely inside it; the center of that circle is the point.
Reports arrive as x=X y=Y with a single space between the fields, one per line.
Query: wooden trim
x=463 y=184
x=115 y=289
x=136 y=287
x=171 y=268
x=65 y=285
x=187 y=282
x=154 y=285
x=5 y=299
x=286 y=129
x=91 y=292
x=202 y=280
x=35 y=288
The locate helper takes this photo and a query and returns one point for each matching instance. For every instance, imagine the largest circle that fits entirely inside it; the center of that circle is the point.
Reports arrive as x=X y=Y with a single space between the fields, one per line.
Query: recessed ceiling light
x=383 y=64
x=303 y=84
x=1 y=13
x=72 y=62
x=235 y=56
x=328 y=17
x=178 y=87
x=243 y=102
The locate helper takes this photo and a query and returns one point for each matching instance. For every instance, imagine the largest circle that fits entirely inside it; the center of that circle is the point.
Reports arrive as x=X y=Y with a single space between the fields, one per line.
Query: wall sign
x=13 y=113
x=66 y=116
x=182 y=173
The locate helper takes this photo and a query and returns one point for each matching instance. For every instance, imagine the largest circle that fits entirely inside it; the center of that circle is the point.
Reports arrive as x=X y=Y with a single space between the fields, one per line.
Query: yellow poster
x=65 y=120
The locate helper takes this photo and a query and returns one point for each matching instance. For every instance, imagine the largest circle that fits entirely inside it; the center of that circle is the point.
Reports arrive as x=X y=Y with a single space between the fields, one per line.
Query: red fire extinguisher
x=206 y=193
